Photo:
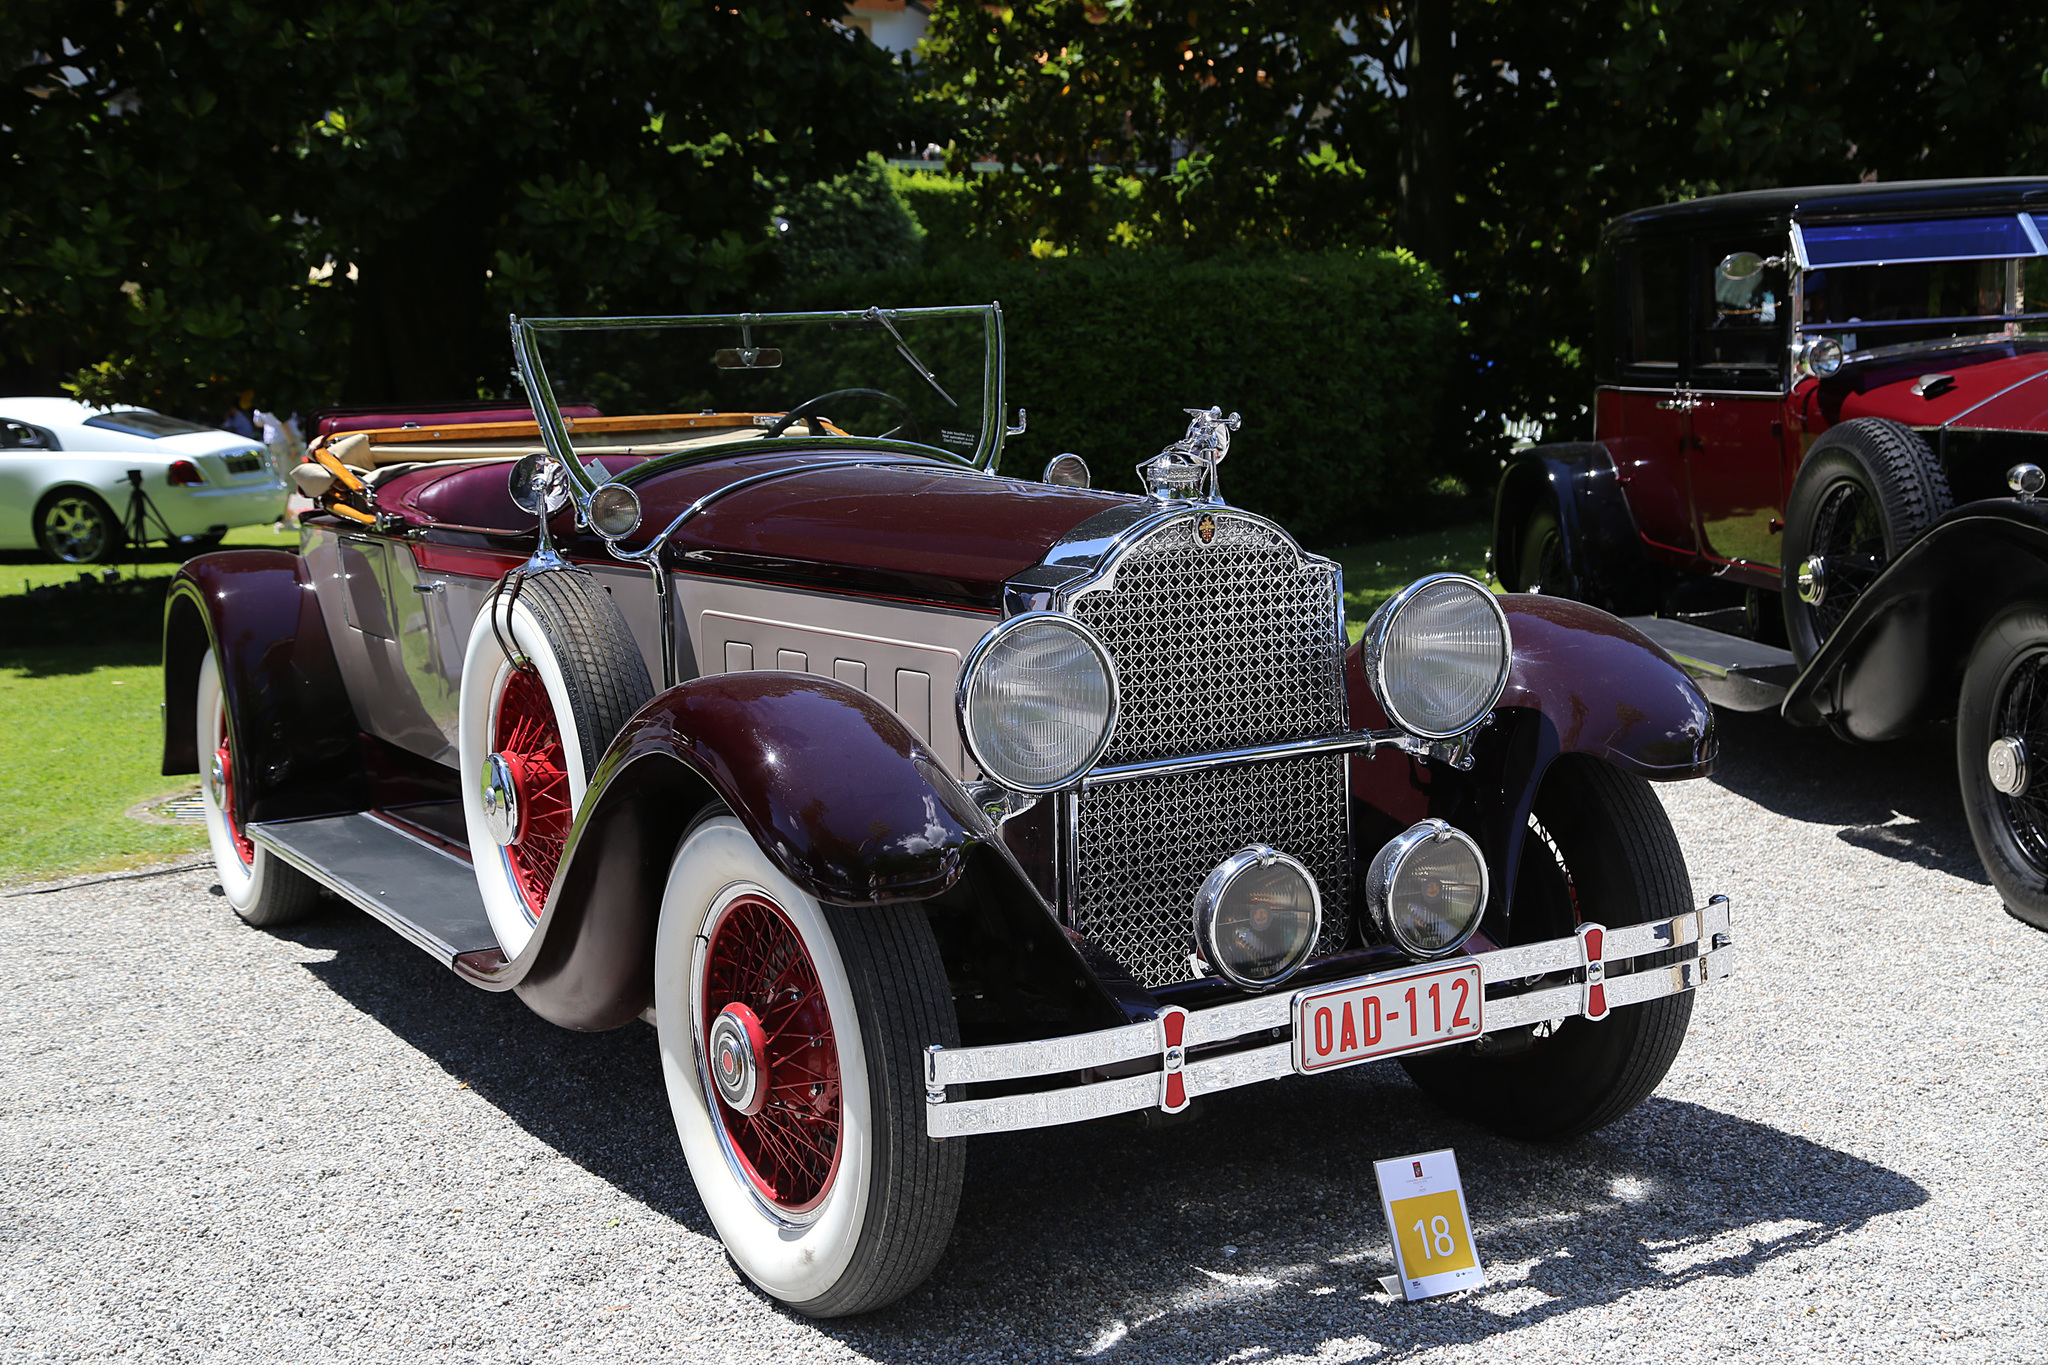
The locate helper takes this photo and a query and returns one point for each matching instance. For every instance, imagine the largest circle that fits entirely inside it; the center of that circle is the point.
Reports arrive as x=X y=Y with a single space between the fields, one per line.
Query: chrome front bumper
x=1589 y=956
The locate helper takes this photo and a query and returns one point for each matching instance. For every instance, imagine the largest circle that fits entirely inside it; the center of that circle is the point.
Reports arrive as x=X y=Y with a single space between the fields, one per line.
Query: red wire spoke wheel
x=773 y=1061
x=526 y=735
x=224 y=780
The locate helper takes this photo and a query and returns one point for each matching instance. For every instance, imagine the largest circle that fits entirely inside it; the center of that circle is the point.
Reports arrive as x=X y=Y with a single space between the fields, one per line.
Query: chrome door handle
x=429 y=588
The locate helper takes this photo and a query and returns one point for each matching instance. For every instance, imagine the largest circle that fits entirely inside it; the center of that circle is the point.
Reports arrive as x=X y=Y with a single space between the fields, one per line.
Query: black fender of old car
x=1896 y=661
x=1581 y=683
x=296 y=737
x=842 y=797
x=1603 y=550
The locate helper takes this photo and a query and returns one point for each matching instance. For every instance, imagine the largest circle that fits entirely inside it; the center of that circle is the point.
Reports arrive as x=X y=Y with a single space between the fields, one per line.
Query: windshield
x=925 y=378
x=142 y=422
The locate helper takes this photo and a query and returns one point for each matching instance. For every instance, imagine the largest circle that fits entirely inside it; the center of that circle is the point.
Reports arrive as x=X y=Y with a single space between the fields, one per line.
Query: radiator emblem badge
x=1205 y=529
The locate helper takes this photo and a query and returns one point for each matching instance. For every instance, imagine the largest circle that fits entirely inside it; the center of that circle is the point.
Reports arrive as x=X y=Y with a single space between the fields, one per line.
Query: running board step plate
x=427 y=896
x=1739 y=674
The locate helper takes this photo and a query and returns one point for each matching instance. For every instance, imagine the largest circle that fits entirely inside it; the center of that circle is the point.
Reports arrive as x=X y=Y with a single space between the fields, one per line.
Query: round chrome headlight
x=614 y=511
x=1257 y=917
x=1427 y=889
x=1437 y=655
x=1038 y=702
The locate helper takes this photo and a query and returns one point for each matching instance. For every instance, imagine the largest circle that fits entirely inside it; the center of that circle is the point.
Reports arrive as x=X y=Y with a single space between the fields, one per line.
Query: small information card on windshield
x=1424 y=1202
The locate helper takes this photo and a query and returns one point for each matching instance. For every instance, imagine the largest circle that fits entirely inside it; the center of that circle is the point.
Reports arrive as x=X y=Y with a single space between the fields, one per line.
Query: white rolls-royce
x=65 y=487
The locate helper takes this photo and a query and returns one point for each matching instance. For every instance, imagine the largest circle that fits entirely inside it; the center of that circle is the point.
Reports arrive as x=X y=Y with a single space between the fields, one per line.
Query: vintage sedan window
x=141 y=423
x=1874 y=307
x=1744 y=323
x=1653 y=281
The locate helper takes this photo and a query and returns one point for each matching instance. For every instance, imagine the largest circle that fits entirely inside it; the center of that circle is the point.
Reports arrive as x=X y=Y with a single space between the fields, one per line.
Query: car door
x=1640 y=418
x=1736 y=414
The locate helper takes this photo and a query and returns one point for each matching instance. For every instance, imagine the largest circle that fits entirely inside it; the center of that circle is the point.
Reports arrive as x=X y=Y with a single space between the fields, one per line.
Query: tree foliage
x=1491 y=137
x=206 y=196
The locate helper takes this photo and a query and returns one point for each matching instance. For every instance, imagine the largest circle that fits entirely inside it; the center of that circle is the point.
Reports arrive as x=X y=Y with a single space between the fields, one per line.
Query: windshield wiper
x=903 y=349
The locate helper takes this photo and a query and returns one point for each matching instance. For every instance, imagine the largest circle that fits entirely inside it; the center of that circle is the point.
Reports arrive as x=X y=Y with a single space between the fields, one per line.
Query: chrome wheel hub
x=217 y=783
x=2006 y=762
x=501 y=805
x=738 y=1048
x=1813 y=581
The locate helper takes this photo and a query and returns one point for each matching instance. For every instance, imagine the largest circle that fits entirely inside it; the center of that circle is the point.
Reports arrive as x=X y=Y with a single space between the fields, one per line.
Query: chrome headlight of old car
x=1257 y=916
x=1437 y=655
x=1038 y=702
x=1427 y=889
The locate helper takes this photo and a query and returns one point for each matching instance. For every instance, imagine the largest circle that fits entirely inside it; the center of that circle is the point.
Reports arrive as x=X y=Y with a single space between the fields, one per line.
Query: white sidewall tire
x=794 y=1263
x=241 y=883
x=485 y=670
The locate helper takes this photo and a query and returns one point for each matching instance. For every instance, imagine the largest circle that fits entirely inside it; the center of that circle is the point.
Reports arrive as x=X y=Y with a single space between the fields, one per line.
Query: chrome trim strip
x=1709 y=927
x=1293 y=748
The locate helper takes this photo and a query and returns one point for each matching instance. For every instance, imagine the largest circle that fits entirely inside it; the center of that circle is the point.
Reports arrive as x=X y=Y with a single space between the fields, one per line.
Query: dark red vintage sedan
x=1819 y=422
x=909 y=802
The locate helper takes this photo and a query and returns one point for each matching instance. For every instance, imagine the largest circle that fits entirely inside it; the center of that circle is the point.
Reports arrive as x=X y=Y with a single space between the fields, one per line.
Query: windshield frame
x=554 y=431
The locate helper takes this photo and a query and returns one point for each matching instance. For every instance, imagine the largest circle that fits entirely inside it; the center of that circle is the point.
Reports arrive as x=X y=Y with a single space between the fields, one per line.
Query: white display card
x=1425 y=1207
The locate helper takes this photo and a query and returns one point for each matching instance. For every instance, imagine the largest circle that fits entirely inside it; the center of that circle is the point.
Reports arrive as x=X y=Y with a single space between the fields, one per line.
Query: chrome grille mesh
x=1218 y=646
x=1145 y=845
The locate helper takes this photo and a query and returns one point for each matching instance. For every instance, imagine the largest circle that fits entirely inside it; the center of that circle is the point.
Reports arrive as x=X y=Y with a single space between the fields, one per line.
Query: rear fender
x=838 y=794
x=1603 y=550
x=1896 y=661
x=295 y=735
x=1582 y=682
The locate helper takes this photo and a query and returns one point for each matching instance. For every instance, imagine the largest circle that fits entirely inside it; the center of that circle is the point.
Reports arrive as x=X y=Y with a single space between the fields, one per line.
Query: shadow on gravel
x=1252 y=1231
x=1899 y=799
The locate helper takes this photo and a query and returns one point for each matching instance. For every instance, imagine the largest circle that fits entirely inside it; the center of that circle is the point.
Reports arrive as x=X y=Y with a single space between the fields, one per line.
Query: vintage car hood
x=917 y=529
x=1996 y=388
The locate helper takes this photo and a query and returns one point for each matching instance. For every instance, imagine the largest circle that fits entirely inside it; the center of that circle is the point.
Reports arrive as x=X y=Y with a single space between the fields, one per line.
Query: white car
x=65 y=486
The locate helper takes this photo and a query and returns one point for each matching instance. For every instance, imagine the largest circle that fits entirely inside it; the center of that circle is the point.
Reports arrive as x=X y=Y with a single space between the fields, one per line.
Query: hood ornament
x=1179 y=472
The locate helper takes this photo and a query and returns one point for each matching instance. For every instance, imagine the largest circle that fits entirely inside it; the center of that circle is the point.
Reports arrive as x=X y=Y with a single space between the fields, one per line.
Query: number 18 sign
x=1425 y=1207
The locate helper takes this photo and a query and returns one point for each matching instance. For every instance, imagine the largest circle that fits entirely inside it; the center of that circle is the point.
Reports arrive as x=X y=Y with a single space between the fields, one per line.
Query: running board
x=429 y=897
x=1739 y=674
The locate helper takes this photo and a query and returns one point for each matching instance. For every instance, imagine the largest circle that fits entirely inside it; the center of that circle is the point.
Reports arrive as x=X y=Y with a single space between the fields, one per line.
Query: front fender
x=1603 y=549
x=295 y=735
x=1582 y=682
x=836 y=791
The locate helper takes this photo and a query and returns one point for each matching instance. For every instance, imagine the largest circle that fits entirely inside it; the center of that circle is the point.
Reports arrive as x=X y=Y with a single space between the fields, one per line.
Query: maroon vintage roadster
x=909 y=802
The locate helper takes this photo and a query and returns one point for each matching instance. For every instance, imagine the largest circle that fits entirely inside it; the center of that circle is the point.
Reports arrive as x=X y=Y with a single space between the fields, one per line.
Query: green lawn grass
x=82 y=729
x=80 y=741
x=21 y=570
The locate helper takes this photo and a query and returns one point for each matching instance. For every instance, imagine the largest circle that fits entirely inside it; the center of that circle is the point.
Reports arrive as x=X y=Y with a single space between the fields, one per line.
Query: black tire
x=1540 y=564
x=589 y=677
x=1867 y=489
x=1610 y=858
x=2005 y=695
x=259 y=886
x=867 y=1231
x=75 y=526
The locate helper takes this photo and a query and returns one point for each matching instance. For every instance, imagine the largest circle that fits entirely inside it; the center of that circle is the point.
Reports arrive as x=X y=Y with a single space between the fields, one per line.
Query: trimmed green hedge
x=1338 y=363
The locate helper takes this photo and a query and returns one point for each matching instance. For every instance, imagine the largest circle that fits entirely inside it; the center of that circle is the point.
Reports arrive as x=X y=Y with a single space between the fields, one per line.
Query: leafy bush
x=1338 y=362
x=945 y=209
x=852 y=222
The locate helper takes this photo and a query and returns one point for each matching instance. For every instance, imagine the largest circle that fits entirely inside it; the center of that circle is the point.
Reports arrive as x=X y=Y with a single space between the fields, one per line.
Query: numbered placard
x=1425 y=1207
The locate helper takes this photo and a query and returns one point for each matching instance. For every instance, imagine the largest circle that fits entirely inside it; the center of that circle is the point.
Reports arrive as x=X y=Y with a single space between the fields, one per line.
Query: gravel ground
x=227 y=1144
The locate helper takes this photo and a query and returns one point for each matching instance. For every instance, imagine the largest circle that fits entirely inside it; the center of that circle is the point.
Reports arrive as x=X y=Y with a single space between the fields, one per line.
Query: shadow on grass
x=1255 y=1230
x=64 y=660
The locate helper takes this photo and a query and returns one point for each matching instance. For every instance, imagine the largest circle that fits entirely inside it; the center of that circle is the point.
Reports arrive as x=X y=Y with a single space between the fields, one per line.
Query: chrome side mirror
x=1739 y=265
x=536 y=480
x=1066 y=471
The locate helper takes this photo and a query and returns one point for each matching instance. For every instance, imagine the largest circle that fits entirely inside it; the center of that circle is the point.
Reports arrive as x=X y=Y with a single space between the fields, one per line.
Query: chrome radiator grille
x=1221 y=645
x=1145 y=845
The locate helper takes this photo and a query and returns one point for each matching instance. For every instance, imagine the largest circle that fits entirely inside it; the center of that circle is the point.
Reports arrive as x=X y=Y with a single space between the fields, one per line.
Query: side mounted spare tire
x=532 y=727
x=1867 y=489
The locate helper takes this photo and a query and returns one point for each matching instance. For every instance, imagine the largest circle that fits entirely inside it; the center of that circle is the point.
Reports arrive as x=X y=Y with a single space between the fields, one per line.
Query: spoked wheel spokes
x=2021 y=722
x=221 y=782
x=770 y=1055
x=1848 y=538
x=530 y=763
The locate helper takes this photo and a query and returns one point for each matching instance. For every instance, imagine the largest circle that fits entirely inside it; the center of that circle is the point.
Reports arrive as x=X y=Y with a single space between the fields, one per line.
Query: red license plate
x=1383 y=1016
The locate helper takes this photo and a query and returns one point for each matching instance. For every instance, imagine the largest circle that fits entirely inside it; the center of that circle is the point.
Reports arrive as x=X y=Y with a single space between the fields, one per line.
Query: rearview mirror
x=747 y=358
x=1739 y=265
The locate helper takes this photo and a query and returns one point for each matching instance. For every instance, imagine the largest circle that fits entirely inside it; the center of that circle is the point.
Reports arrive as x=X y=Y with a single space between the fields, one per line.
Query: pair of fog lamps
x=1038 y=703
